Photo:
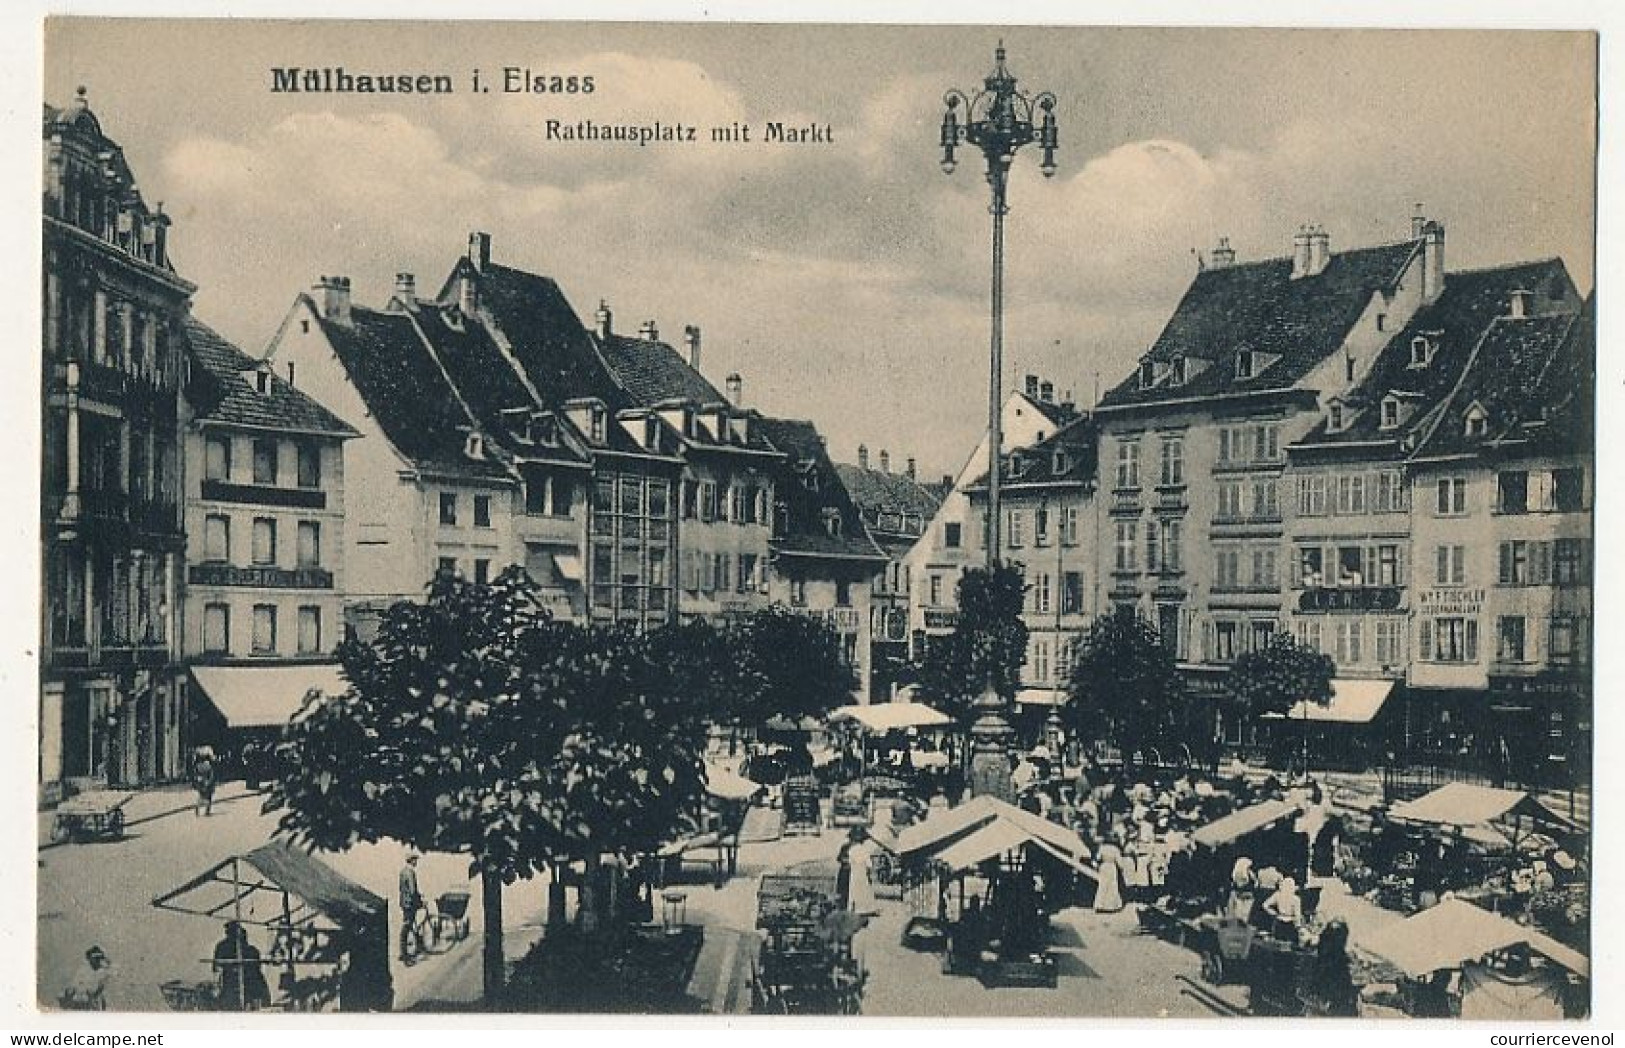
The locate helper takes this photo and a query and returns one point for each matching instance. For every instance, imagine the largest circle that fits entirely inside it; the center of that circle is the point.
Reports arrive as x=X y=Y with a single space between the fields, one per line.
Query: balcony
x=1172 y=497
x=1126 y=500
x=259 y=576
x=1242 y=520
x=265 y=495
x=1351 y=598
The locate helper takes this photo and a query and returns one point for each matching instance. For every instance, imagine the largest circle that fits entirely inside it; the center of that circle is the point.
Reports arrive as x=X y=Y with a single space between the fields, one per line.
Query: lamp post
x=998 y=120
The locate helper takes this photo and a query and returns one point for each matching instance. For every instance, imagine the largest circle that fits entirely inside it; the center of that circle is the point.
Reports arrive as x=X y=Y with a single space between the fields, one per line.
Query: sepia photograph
x=815 y=520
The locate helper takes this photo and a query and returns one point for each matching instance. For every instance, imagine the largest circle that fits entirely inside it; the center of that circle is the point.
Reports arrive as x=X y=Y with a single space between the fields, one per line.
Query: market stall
x=328 y=936
x=1484 y=813
x=806 y=964
x=895 y=740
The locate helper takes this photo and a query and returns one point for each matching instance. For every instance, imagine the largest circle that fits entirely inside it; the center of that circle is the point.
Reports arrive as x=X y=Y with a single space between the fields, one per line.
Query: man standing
x=411 y=903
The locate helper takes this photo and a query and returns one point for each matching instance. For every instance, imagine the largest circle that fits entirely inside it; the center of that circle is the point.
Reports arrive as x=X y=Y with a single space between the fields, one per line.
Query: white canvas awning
x=568 y=565
x=1040 y=697
x=728 y=785
x=1456 y=932
x=265 y=696
x=1468 y=804
x=1239 y=824
x=962 y=835
x=881 y=717
x=1352 y=702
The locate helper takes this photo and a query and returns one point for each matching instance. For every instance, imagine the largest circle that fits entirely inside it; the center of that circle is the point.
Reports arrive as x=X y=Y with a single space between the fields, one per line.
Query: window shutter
x=1399 y=566
x=1506 y=563
x=1542 y=566
x=1426 y=641
x=1459 y=557
x=1442 y=575
x=1471 y=645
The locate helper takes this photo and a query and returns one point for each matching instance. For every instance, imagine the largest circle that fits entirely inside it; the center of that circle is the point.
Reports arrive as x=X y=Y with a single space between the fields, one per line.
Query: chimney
x=908 y=471
x=1032 y=386
x=885 y=461
x=1046 y=392
x=1519 y=306
x=335 y=299
x=691 y=339
x=736 y=390
x=863 y=456
x=1418 y=222
x=468 y=294
x=479 y=250
x=406 y=288
x=947 y=482
x=602 y=319
x=1300 y=253
x=1223 y=255
x=649 y=332
x=1320 y=251
x=1432 y=261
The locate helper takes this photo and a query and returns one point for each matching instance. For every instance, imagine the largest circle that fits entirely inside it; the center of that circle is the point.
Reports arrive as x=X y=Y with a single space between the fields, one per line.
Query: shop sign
x=1452 y=601
x=1350 y=598
x=941 y=619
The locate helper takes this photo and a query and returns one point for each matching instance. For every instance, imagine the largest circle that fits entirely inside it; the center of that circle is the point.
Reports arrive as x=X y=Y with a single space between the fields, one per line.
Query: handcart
x=805 y=965
x=449 y=925
x=91 y=815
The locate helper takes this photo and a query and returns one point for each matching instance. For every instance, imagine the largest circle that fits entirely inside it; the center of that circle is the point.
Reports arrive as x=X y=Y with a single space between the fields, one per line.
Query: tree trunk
x=494 y=965
x=587 y=912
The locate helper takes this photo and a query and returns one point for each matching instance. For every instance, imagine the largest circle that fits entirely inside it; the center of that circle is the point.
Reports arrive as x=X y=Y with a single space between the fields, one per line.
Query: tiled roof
x=1258 y=306
x=222 y=392
x=1453 y=325
x=808 y=485
x=874 y=491
x=481 y=373
x=405 y=391
x=1567 y=392
x=1057 y=414
x=544 y=333
x=1079 y=445
x=652 y=371
x=1503 y=381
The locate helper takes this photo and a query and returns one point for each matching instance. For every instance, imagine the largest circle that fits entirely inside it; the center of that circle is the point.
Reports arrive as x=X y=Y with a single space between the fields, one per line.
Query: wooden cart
x=805 y=965
x=97 y=814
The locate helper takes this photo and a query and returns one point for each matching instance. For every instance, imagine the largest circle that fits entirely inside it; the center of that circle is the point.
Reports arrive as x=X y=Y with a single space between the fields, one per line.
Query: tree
x=988 y=644
x=1274 y=678
x=1125 y=686
x=474 y=723
x=793 y=665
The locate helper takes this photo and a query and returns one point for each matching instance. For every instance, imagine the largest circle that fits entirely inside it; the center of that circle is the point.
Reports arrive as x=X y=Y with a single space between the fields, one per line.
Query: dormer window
x=597 y=424
x=1336 y=419
x=262 y=381
x=1176 y=372
x=1061 y=463
x=1421 y=351
x=651 y=433
x=1244 y=363
x=544 y=430
x=1017 y=464
x=1390 y=412
x=474 y=446
x=1478 y=421
x=832 y=522
x=1148 y=375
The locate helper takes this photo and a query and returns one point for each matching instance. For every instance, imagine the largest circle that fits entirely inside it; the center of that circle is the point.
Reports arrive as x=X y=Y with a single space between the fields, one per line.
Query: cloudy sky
x=848 y=281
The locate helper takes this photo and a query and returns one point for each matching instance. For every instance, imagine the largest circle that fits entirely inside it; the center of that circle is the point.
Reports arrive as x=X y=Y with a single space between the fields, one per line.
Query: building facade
x=112 y=690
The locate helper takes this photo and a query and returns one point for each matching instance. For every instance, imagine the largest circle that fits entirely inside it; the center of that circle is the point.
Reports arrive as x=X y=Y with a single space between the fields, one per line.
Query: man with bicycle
x=412 y=911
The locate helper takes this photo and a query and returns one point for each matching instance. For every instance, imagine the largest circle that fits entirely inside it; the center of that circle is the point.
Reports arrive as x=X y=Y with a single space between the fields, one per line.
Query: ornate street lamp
x=998 y=120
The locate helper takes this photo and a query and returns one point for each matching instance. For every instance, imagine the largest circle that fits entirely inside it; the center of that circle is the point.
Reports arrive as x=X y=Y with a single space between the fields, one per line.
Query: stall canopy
x=1468 y=804
x=882 y=717
x=1456 y=932
x=729 y=785
x=1040 y=697
x=1239 y=824
x=250 y=888
x=265 y=696
x=985 y=827
x=1352 y=702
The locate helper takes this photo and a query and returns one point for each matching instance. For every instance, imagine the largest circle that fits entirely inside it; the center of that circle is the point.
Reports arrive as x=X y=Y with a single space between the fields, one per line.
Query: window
x=1382 y=321
x=1450 y=639
x=264 y=550
x=1312 y=496
x=1069 y=527
x=1153 y=547
x=1388 y=492
x=1041 y=594
x=1347 y=641
x=1349 y=364
x=1230 y=501
x=1040 y=660
x=448 y=507
x=1390 y=642
x=736 y=503
x=631 y=501
x=952 y=533
x=446 y=565
x=217 y=538
x=798 y=592
x=1176 y=372
x=1227 y=568
x=1568 y=561
x=1515 y=563
x=1128 y=464
x=264 y=641
x=1335 y=419
x=1173 y=554
x=1387 y=573
x=310 y=544
x=482 y=511
x=265 y=461
x=936 y=590
x=309 y=463
x=1072 y=593
x=1267 y=442
x=1173 y=461
x=1266 y=500
x=1224 y=641
x=1311 y=564
x=747 y=570
x=1568 y=490
x=1421 y=352
x=1014 y=522
x=1450 y=564
x=1351 y=494
x=1509 y=638
x=1041 y=526
x=1127 y=535
x=1244 y=364
x=1308 y=634
x=843 y=593
x=310 y=630
x=1390 y=413
x=1477 y=423
x=1264 y=576
x=217 y=458
x=217 y=629
x=1452 y=497
x=1512 y=491
x=1563 y=644
x=689 y=499
x=1148 y=374
x=708 y=501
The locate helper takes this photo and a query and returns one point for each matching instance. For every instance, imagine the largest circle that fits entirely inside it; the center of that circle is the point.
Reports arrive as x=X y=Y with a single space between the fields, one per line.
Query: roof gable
x=222 y=393
x=810 y=488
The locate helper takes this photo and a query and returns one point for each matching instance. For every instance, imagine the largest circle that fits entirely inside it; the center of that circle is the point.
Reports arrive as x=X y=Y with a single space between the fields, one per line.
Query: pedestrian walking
x=411 y=903
x=87 y=989
x=1108 y=879
x=861 y=889
x=203 y=776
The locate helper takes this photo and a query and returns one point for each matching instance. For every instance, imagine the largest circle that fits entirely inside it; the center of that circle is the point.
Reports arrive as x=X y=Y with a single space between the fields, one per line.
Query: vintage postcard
x=816 y=520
